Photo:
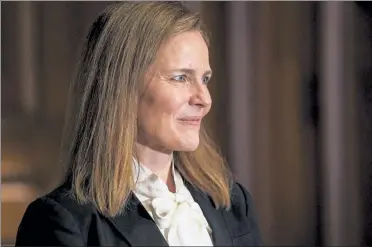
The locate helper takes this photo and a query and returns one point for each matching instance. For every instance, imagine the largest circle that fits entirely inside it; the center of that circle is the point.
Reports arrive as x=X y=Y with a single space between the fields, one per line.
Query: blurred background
x=292 y=109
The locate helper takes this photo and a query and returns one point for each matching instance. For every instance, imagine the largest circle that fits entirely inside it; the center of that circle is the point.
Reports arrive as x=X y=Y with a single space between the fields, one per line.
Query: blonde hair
x=101 y=121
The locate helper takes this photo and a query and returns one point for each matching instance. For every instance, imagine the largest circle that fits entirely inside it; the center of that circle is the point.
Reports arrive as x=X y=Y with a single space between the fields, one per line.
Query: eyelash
x=205 y=79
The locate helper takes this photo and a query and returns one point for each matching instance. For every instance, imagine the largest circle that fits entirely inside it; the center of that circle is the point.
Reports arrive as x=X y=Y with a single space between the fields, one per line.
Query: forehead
x=187 y=49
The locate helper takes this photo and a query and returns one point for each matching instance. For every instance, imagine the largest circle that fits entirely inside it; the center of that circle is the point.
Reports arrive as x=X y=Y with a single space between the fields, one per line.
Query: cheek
x=207 y=109
x=159 y=110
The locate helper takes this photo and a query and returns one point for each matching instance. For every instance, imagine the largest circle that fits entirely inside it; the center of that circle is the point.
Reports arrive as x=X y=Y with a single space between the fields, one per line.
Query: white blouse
x=178 y=217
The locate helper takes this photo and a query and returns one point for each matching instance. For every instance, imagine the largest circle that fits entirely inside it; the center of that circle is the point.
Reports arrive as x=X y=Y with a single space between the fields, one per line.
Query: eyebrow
x=191 y=71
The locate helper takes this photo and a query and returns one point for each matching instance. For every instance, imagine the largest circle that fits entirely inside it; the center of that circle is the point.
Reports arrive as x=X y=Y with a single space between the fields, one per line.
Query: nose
x=201 y=96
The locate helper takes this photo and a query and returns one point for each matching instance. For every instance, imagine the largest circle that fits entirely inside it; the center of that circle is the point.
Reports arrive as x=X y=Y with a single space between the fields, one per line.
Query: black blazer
x=58 y=220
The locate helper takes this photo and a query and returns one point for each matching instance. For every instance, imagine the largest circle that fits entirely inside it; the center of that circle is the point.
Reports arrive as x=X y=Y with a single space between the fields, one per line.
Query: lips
x=190 y=120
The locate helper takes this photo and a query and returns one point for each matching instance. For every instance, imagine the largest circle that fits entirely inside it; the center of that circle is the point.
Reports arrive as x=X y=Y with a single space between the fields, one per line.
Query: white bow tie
x=179 y=218
x=182 y=218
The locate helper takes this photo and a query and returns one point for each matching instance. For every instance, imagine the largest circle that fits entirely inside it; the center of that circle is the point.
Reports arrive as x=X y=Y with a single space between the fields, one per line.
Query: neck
x=158 y=162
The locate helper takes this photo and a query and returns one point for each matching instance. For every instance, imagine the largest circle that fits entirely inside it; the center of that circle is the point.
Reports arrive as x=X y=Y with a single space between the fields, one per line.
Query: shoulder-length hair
x=101 y=120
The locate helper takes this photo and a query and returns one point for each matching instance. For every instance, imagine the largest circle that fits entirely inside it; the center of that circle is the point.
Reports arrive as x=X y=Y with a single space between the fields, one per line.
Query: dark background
x=292 y=109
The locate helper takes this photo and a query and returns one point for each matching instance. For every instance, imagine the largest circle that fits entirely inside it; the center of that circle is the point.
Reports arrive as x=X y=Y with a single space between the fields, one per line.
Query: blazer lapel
x=137 y=226
x=220 y=232
x=135 y=221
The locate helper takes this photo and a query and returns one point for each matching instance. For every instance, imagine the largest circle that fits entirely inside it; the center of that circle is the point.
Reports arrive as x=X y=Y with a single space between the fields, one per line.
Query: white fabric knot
x=182 y=219
x=178 y=217
x=164 y=209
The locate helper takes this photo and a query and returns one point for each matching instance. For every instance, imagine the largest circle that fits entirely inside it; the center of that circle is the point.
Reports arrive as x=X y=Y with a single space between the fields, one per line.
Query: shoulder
x=60 y=200
x=58 y=215
x=241 y=198
x=241 y=218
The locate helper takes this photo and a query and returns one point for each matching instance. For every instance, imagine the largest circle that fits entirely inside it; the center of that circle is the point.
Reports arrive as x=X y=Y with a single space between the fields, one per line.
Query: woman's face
x=176 y=97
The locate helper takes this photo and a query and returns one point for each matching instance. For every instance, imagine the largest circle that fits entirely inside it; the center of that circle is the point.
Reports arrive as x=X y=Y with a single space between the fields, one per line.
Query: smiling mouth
x=192 y=121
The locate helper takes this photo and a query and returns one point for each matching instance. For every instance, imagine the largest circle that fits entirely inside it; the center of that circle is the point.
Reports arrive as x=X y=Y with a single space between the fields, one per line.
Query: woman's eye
x=206 y=79
x=179 y=78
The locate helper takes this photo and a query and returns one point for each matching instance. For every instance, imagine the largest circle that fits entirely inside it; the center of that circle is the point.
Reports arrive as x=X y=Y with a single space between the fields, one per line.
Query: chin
x=189 y=146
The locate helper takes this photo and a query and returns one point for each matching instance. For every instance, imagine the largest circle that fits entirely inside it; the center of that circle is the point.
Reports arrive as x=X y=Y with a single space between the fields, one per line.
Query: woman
x=141 y=169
